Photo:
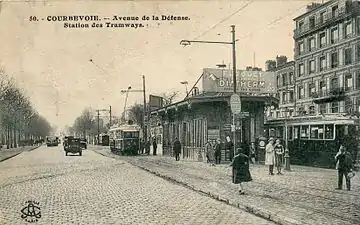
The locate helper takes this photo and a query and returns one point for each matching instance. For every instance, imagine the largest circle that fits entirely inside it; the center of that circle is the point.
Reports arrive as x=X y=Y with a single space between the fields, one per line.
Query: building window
x=301 y=92
x=334 y=35
x=322 y=39
x=334 y=60
x=301 y=25
x=322 y=63
x=322 y=108
x=312 y=110
x=284 y=80
x=277 y=114
x=312 y=22
x=358 y=51
x=301 y=47
x=317 y=131
x=291 y=96
x=348 y=82
x=347 y=29
x=334 y=83
x=348 y=56
x=348 y=105
x=278 y=81
x=334 y=11
x=312 y=89
x=335 y=107
x=311 y=66
x=284 y=97
x=301 y=69
x=358 y=80
x=321 y=18
x=322 y=88
x=291 y=78
x=304 y=132
x=311 y=44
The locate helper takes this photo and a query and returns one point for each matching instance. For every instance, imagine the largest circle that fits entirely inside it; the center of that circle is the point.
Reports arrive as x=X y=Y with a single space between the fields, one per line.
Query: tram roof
x=126 y=127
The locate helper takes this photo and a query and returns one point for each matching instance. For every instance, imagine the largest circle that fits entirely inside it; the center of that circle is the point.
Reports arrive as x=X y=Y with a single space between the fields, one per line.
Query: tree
x=168 y=98
x=85 y=123
x=136 y=114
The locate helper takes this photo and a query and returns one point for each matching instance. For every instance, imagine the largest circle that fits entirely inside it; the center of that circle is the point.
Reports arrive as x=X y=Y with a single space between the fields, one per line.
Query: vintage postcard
x=180 y=112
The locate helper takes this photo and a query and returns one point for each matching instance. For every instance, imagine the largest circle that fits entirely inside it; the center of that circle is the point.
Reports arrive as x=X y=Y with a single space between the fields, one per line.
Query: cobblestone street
x=93 y=189
x=304 y=196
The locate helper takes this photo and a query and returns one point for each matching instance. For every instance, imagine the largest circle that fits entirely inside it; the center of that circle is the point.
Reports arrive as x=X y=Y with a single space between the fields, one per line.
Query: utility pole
x=98 y=126
x=110 y=117
x=144 y=121
x=234 y=84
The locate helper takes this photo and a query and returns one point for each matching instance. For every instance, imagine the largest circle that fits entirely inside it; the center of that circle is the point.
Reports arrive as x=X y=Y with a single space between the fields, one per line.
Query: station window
x=296 y=132
x=317 y=131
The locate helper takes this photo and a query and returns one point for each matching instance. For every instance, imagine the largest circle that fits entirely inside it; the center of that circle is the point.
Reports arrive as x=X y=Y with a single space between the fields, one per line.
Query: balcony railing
x=327 y=19
x=324 y=96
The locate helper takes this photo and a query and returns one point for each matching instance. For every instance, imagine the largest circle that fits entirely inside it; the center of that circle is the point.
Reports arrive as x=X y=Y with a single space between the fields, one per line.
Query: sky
x=52 y=63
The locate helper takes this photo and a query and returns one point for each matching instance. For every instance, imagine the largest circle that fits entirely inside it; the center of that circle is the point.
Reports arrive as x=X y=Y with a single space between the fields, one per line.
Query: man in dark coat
x=217 y=148
x=147 y=147
x=344 y=166
x=229 y=146
x=240 y=171
x=177 y=149
x=154 y=146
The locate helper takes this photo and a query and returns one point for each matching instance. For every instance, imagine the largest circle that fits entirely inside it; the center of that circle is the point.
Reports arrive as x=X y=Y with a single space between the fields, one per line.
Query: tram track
x=290 y=195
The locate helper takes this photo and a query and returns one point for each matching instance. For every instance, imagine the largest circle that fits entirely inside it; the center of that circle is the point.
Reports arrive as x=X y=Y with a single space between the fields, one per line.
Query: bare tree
x=169 y=97
x=136 y=114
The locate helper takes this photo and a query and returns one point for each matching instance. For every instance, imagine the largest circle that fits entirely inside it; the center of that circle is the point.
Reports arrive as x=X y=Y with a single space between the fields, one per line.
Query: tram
x=316 y=143
x=125 y=139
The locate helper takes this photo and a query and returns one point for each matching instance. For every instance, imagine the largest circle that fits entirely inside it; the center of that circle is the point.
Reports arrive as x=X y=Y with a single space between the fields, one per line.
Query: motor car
x=73 y=146
x=83 y=143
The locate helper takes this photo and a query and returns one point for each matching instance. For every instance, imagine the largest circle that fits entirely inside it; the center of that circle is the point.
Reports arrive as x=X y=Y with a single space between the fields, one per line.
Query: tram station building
x=206 y=115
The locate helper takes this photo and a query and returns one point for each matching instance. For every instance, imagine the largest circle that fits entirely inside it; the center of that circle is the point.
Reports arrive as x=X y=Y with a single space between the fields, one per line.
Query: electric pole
x=110 y=116
x=144 y=120
x=98 y=126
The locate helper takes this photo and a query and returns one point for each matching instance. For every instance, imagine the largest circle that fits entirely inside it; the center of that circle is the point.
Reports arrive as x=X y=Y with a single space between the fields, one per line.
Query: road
x=93 y=189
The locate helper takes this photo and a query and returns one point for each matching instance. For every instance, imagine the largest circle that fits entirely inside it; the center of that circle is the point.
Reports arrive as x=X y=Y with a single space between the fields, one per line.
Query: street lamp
x=188 y=42
x=287 y=155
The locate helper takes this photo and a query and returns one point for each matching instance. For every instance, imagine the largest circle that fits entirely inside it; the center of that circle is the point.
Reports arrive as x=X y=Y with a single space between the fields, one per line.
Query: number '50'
x=33 y=18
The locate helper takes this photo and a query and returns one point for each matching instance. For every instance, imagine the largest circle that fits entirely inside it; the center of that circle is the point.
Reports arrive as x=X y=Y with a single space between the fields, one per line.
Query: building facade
x=324 y=111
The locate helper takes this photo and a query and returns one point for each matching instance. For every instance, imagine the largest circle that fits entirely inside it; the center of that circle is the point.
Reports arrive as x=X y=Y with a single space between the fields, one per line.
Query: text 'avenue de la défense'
x=115 y=21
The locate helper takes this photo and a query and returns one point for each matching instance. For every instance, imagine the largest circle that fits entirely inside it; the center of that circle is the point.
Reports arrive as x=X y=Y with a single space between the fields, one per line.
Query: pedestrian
x=154 y=146
x=279 y=152
x=147 y=147
x=240 y=169
x=217 y=149
x=177 y=149
x=252 y=152
x=210 y=153
x=229 y=147
x=343 y=161
x=270 y=156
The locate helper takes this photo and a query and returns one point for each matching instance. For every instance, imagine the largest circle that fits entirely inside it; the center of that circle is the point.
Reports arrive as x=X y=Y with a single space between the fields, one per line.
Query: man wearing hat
x=270 y=156
x=218 y=151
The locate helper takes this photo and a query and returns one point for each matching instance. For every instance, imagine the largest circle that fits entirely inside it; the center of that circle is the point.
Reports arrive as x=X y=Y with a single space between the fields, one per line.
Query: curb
x=12 y=156
x=277 y=219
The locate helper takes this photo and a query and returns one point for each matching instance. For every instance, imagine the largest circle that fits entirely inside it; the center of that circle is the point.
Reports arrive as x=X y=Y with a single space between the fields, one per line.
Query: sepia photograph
x=180 y=112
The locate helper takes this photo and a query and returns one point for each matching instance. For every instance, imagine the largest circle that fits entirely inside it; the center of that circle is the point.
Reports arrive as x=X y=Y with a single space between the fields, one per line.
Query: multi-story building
x=326 y=84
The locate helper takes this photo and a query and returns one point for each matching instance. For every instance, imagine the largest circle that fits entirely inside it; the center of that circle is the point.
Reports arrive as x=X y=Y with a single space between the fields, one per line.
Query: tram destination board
x=235 y=104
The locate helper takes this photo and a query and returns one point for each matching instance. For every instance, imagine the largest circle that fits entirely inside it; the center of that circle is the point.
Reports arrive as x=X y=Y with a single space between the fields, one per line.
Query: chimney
x=270 y=65
x=281 y=60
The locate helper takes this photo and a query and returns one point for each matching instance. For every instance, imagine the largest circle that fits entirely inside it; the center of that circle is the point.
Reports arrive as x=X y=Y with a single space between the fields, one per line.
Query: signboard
x=155 y=102
x=254 y=82
x=235 y=104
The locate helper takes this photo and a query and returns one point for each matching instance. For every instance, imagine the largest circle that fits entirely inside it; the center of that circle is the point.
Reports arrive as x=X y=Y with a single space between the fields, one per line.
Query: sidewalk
x=9 y=153
x=304 y=196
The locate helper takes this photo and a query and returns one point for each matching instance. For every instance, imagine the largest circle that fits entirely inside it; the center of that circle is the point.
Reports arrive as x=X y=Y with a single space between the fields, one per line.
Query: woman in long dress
x=270 y=156
x=240 y=170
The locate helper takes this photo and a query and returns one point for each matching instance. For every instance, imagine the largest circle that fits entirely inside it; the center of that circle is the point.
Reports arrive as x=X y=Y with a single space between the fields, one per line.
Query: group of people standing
x=274 y=152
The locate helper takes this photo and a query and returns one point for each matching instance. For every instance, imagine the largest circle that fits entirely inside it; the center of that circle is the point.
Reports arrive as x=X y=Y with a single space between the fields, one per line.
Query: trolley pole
x=144 y=120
